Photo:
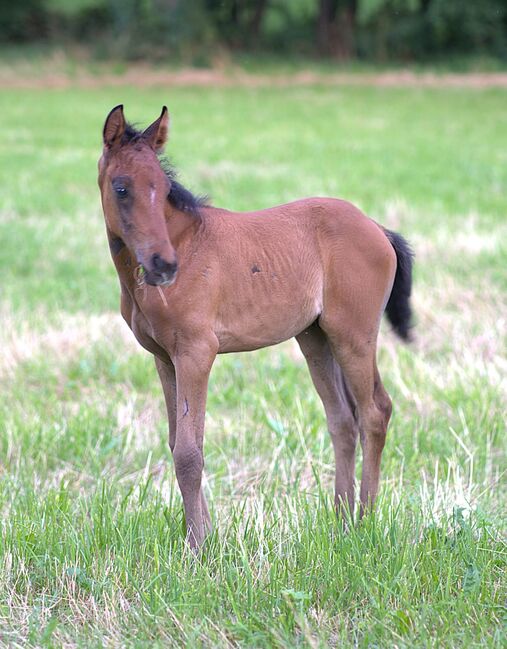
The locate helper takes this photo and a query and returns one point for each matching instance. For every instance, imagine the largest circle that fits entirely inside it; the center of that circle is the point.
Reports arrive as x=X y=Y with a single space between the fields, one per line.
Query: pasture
x=92 y=549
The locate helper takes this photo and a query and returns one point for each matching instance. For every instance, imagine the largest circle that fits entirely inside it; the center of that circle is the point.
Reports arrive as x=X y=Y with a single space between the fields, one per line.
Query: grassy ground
x=92 y=550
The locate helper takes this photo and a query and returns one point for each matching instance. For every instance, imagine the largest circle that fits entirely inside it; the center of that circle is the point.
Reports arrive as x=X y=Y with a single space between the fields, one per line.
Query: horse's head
x=134 y=191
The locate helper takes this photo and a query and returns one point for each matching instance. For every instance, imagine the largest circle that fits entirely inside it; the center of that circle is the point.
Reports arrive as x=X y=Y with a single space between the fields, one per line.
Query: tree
x=336 y=25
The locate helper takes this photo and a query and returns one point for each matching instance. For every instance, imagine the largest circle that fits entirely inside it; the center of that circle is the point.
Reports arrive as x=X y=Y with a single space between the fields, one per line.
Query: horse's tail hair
x=398 y=309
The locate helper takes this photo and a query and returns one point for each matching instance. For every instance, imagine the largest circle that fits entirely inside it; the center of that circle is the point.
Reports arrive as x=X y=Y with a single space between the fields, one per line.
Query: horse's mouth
x=155 y=278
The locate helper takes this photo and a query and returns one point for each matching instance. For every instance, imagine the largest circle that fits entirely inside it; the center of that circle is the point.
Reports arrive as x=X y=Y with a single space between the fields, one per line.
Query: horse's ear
x=156 y=133
x=114 y=127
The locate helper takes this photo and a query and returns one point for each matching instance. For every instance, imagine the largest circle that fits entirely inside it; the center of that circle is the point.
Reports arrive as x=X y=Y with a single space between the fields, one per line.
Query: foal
x=216 y=281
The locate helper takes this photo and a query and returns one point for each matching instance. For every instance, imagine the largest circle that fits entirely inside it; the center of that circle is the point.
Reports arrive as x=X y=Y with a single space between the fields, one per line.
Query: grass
x=92 y=550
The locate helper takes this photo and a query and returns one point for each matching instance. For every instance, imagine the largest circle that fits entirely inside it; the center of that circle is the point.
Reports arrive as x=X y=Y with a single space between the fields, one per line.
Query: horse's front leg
x=167 y=375
x=192 y=365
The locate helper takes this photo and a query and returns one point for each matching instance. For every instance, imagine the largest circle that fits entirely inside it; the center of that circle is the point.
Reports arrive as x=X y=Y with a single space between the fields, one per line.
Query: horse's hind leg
x=356 y=357
x=329 y=383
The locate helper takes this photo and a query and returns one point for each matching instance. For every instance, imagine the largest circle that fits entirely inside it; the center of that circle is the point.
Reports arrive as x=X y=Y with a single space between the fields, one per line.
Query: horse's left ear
x=156 y=133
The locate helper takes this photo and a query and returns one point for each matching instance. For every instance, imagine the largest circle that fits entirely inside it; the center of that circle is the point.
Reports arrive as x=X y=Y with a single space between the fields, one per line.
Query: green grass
x=92 y=550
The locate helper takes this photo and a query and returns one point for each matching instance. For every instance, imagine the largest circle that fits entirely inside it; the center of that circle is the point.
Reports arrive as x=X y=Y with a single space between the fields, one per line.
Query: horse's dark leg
x=167 y=376
x=192 y=365
x=356 y=357
x=329 y=383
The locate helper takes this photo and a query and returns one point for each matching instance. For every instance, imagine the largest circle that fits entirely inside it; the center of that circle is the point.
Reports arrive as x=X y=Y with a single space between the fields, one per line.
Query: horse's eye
x=121 y=192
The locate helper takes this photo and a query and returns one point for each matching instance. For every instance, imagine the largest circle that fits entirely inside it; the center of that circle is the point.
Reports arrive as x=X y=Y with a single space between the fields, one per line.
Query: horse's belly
x=250 y=326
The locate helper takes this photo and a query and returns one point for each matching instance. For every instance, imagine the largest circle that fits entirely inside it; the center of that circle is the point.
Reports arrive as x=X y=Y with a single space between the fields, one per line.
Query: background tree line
x=195 y=29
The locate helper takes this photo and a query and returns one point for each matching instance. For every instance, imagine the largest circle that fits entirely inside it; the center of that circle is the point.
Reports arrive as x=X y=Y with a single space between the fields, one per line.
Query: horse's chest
x=153 y=331
x=143 y=331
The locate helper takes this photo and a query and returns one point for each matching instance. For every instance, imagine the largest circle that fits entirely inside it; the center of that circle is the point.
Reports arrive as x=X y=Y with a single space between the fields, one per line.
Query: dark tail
x=398 y=309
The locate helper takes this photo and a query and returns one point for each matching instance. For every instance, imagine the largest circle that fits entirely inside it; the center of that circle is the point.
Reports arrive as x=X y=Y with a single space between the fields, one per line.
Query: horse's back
x=332 y=228
x=335 y=216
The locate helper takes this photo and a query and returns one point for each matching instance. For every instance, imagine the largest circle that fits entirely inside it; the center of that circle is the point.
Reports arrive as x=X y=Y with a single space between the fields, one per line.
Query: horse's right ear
x=114 y=127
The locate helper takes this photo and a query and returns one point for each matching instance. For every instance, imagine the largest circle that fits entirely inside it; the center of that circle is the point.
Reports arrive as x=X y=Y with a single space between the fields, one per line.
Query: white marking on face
x=152 y=197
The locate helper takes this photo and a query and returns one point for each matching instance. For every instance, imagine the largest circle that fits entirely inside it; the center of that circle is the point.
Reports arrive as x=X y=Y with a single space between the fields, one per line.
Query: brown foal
x=197 y=281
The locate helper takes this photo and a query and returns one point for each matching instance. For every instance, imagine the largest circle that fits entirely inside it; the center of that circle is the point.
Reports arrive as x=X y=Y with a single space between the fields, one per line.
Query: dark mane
x=179 y=197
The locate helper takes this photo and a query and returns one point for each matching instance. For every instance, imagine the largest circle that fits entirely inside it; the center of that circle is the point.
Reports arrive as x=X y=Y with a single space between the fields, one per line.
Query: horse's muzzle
x=162 y=272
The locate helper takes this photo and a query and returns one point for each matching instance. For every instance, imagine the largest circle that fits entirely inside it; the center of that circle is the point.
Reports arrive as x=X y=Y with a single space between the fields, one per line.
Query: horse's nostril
x=157 y=261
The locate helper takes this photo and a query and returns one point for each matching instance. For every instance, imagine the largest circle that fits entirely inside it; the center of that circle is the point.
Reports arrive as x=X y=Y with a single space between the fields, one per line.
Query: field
x=92 y=550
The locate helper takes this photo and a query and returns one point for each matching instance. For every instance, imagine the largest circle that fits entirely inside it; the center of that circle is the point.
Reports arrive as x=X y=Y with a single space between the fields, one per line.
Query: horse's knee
x=189 y=463
x=383 y=404
x=375 y=421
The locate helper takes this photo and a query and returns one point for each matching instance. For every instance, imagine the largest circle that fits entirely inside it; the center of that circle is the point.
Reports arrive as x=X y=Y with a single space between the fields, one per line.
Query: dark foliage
x=196 y=30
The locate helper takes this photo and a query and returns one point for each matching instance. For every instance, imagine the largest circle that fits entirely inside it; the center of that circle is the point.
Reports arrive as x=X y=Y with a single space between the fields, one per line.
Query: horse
x=198 y=280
